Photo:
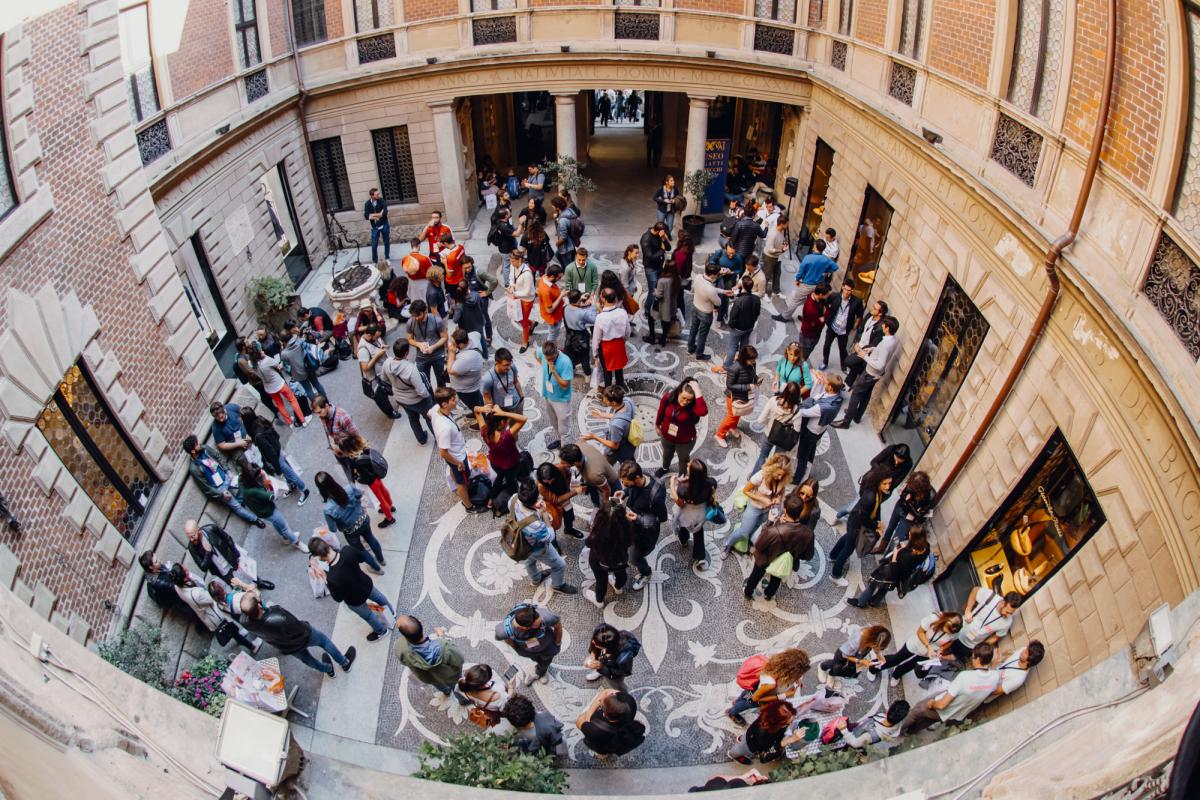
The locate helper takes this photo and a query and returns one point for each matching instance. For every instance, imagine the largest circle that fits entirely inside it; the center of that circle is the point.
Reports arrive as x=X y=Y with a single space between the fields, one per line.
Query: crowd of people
x=446 y=376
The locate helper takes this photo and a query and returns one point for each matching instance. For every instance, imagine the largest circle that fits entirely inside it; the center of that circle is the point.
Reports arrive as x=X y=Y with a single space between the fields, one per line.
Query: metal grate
x=837 y=56
x=494 y=30
x=332 y=180
x=1187 y=192
x=903 y=83
x=154 y=142
x=1173 y=286
x=256 y=86
x=771 y=39
x=1017 y=148
x=393 y=157
x=912 y=25
x=628 y=25
x=376 y=48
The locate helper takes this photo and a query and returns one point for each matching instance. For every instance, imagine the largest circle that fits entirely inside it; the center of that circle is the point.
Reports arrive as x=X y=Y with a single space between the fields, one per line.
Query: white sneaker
x=721 y=442
x=592 y=676
x=591 y=596
x=639 y=581
x=870 y=675
x=893 y=682
x=822 y=675
x=842 y=582
x=544 y=679
x=530 y=678
x=301 y=546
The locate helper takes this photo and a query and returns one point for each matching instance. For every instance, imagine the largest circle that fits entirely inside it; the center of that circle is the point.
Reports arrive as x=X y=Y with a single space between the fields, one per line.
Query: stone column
x=697 y=132
x=564 y=124
x=450 y=165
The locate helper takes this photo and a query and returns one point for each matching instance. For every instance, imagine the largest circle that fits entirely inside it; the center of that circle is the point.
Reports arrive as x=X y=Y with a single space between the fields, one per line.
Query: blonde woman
x=862 y=653
x=781 y=675
x=764 y=493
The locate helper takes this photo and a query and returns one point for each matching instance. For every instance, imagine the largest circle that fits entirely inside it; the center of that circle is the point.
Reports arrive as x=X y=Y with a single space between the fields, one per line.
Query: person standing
x=878 y=360
x=434 y=660
x=522 y=292
x=375 y=211
x=967 y=692
x=745 y=235
x=344 y=512
x=556 y=385
x=416 y=266
x=706 y=299
x=664 y=201
x=451 y=445
x=369 y=469
x=474 y=313
x=863 y=527
x=564 y=230
x=537 y=732
x=776 y=677
x=1014 y=668
x=301 y=363
x=275 y=385
x=845 y=315
x=894 y=570
x=654 y=143
x=254 y=495
x=730 y=267
x=931 y=640
x=348 y=584
x=535 y=184
x=215 y=481
x=620 y=415
x=499 y=430
x=604 y=106
x=813 y=270
x=533 y=632
x=987 y=619
x=432 y=235
x=610 y=656
x=371 y=353
x=813 y=315
x=596 y=472
x=741 y=389
x=464 y=366
x=916 y=501
x=291 y=636
x=552 y=299
x=527 y=506
x=743 y=316
x=693 y=494
x=608 y=545
x=833 y=248
x=609 y=724
x=581 y=274
x=818 y=412
x=427 y=334
x=336 y=421
x=501 y=384
x=786 y=535
x=774 y=246
x=608 y=338
x=764 y=492
x=645 y=500
x=868 y=335
x=578 y=319
x=451 y=254
x=679 y=412
x=664 y=304
x=654 y=246
x=410 y=389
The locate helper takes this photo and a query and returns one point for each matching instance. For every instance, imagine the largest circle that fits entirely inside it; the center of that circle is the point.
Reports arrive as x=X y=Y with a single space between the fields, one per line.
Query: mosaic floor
x=695 y=627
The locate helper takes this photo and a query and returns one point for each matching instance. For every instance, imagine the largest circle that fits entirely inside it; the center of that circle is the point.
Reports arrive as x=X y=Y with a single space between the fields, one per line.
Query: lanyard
x=993 y=610
x=507 y=387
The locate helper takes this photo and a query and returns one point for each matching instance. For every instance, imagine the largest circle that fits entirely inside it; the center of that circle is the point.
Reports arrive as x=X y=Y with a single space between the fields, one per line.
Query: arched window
x=1037 y=53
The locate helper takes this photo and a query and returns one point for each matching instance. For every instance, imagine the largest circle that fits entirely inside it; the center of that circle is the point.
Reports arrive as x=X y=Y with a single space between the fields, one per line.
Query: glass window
x=955 y=335
x=8 y=194
x=818 y=188
x=393 y=157
x=869 y=238
x=1036 y=55
x=370 y=15
x=137 y=62
x=1050 y=514
x=308 y=17
x=83 y=434
x=845 y=16
x=245 y=27
x=778 y=10
x=912 y=26
x=1187 y=186
x=332 y=180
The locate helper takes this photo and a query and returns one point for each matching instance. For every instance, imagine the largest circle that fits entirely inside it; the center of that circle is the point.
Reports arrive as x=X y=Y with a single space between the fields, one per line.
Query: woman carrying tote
x=764 y=498
x=693 y=494
x=916 y=501
x=487 y=695
x=610 y=656
x=895 y=570
x=782 y=420
x=679 y=413
x=367 y=471
x=741 y=384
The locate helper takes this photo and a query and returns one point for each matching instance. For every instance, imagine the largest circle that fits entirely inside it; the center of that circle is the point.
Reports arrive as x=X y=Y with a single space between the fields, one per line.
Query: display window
x=869 y=239
x=818 y=189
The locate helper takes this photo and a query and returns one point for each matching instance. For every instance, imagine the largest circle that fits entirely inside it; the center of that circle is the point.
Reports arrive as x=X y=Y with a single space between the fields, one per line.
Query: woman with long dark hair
x=679 y=412
x=363 y=467
x=663 y=306
x=916 y=501
x=861 y=653
x=243 y=369
x=608 y=543
x=344 y=512
x=537 y=247
x=255 y=495
x=498 y=429
x=554 y=485
x=863 y=526
x=807 y=491
x=685 y=251
x=610 y=656
x=693 y=494
x=741 y=386
x=932 y=639
x=275 y=460
x=895 y=570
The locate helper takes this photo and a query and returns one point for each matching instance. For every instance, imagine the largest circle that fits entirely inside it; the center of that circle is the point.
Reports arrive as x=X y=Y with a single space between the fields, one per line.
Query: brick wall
x=723 y=6
x=1140 y=78
x=429 y=9
x=277 y=24
x=81 y=247
x=333 y=19
x=205 y=53
x=960 y=39
x=816 y=12
x=870 y=21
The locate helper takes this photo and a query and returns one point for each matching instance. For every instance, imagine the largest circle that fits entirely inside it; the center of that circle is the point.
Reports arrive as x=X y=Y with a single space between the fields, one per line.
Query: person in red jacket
x=432 y=233
x=416 y=264
x=812 y=318
x=679 y=413
x=452 y=255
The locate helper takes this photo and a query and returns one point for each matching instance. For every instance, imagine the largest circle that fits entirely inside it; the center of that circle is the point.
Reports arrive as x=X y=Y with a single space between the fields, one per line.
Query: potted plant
x=492 y=762
x=564 y=173
x=694 y=185
x=275 y=300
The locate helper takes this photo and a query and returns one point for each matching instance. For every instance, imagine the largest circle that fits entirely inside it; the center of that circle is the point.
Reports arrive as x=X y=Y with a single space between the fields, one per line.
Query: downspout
x=1052 y=256
x=301 y=100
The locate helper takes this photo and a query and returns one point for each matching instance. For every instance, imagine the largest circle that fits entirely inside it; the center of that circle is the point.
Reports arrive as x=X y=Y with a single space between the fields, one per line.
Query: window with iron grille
x=8 y=194
x=1173 y=286
x=83 y=433
x=308 y=18
x=1017 y=148
x=778 y=10
x=257 y=86
x=845 y=17
x=245 y=28
x=773 y=39
x=371 y=15
x=376 y=48
x=494 y=30
x=330 y=166
x=1037 y=52
x=393 y=158
x=136 y=60
x=837 y=56
x=902 y=84
x=912 y=26
x=153 y=141
x=1187 y=187
x=628 y=25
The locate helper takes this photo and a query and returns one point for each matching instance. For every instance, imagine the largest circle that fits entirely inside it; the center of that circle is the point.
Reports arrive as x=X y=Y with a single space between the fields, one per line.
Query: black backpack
x=493 y=237
x=576 y=228
x=479 y=488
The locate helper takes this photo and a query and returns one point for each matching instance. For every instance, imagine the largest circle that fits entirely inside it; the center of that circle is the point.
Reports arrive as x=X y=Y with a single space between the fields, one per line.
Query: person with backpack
x=537 y=732
x=369 y=468
x=764 y=739
x=499 y=430
x=624 y=433
x=471 y=318
x=743 y=316
x=880 y=731
x=610 y=656
x=566 y=225
x=481 y=284
x=895 y=570
x=694 y=496
x=931 y=640
x=410 y=390
x=609 y=725
x=654 y=246
x=533 y=632
x=766 y=679
x=527 y=517
x=863 y=527
x=348 y=584
x=608 y=544
x=434 y=660
x=303 y=362
x=344 y=512
x=451 y=445
x=645 y=500
x=578 y=318
x=817 y=413
x=502 y=236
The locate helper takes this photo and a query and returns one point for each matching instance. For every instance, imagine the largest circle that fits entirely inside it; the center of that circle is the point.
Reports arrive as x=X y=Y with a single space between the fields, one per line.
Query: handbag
x=783 y=435
x=744 y=408
x=368 y=388
x=715 y=514
x=225 y=632
x=781 y=567
x=483 y=717
x=740 y=501
x=379 y=385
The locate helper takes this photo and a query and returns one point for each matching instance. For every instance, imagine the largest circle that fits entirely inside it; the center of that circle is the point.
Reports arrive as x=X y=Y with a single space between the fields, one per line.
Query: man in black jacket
x=214 y=551
x=375 y=211
x=743 y=316
x=291 y=636
x=350 y=585
x=654 y=244
x=746 y=234
x=845 y=314
x=609 y=725
x=646 y=504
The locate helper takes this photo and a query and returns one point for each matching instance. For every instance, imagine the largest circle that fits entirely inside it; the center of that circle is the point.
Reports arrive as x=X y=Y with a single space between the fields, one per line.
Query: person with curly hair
x=763 y=740
x=780 y=675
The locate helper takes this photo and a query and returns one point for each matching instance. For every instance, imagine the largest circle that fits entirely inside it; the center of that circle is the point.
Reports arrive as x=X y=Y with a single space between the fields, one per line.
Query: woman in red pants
x=367 y=472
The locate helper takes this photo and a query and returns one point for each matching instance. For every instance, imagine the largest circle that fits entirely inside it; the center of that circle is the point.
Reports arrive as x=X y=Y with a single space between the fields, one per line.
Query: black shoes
x=779 y=318
x=351 y=654
x=658 y=473
x=373 y=636
x=258 y=523
x=264 y=584
x=840 y=424
x=387 y=523
x=575 y=534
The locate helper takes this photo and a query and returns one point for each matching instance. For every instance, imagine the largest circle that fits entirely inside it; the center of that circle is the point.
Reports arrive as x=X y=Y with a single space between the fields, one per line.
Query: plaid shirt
x=336 y=424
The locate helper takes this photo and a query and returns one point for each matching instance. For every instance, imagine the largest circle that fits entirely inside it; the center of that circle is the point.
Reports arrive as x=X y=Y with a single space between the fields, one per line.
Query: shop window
x=1187 y=186
x=869 y=238
x=82 y=432
x=951 y=343
x=393 y=158
x=1044 y=521
x=332 y=180
x=1037 y=51
x=818 y=188
x=138 y=63
x=245 y=28
x=308 y=18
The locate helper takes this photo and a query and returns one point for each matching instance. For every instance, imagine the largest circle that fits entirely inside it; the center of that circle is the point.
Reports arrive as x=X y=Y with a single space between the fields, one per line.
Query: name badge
x=511 y=400
x=582 y=285
x=672 y=429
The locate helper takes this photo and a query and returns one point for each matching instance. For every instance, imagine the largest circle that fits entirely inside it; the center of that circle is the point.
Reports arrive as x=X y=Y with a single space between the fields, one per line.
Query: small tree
x=138 y=651
x=695 y=183
x=490 y=762
x=274 y=299
x=564 y=173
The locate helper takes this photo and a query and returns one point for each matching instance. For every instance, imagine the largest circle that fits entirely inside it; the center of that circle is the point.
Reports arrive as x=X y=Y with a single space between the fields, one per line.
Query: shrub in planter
x=695 y=183
x=490 y=762
x=200 y=686
x=138 y=651
x=274 y=299
x=825 y=761
x=564 y=173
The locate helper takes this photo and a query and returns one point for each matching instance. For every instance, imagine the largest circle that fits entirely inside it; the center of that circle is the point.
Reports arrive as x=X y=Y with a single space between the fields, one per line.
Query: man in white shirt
x=773 y=248
x=451 y=445
x=1014 y=669
x=706 y=299
x=878 y=359
x=969 y=689
x=833 y=248
x=987 y=619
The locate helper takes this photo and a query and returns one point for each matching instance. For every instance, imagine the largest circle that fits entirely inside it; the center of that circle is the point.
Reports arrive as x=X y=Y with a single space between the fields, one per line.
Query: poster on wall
x=716 y=163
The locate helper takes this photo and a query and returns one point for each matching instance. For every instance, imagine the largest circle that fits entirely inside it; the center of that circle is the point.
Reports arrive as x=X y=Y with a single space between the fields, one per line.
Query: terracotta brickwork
x=333 y=19
x=205 y=53
x=277 y=24
x=870 y=21
x=1133 y=128
x=960 y=39
x=816 y=13
x=723 y=6
x=429 y=9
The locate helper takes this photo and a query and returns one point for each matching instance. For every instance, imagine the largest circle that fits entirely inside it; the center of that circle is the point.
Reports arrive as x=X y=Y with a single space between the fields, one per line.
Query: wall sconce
x=712 y=54
x=931 y=136
x=224 y=129
x=566 y=48
x=431 y=60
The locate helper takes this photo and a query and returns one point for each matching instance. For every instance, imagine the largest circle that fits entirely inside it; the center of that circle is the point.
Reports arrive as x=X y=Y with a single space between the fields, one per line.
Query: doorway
x=285 y=225
x=869 y=238
x=208 y=305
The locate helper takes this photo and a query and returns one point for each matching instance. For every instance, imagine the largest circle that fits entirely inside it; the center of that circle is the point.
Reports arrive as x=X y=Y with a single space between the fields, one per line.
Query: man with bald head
x=291 y=636
x=434 y=660
x=215 y=552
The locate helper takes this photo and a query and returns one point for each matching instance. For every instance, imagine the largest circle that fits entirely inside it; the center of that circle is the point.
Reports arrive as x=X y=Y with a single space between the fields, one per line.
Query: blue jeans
x=743 y=703
x=236 y=506
x=737 y=340
x=289 y=474
x=364 y=536
x=698 y=335
x=318 y=639
x=764 y=452
x=652 y=276
x=841 y=552
x=280 y=524
x=667 y=218
x=369 y=616
x=552 y=559
x=898 y=526
x=384 y=230
x=752 y=518
x=312 y=387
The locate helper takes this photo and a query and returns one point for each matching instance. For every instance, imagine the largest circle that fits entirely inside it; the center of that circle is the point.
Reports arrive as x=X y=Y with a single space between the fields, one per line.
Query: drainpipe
x=1052 y=256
